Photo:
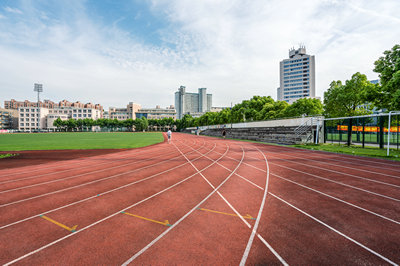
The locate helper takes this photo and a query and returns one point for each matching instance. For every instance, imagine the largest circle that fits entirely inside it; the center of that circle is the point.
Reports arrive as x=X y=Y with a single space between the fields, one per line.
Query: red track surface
x=226 y=202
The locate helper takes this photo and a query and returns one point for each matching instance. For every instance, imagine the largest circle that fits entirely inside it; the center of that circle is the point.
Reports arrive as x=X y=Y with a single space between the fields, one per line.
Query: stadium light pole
x=39 y=88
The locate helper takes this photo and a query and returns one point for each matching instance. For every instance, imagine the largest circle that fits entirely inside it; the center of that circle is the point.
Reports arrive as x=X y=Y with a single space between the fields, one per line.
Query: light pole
x=39 y=88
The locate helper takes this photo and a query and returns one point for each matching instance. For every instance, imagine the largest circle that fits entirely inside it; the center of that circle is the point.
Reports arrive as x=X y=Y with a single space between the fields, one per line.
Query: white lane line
x=100 y=194
x=69 y=177
x=245 y=179
x=336 y=231
x=106 y=218
x=247 y=250
x=346 y=156
x=322 y=193
x=63 y=171
x=340 y=183
x=332 y=197
x=181 y=219
x=78 y=161
x=91 y=182
x=312 y=158
x=338 y=172
x=251 y=239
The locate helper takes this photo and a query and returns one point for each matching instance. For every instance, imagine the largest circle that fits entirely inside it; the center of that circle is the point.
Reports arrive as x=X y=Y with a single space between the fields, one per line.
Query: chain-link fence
x=370 y=130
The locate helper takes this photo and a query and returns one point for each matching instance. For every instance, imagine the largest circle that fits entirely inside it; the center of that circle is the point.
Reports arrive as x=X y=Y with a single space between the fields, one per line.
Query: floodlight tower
x=39 y=88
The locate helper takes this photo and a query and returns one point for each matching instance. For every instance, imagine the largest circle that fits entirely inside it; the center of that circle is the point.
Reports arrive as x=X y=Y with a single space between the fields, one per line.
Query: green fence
x=365 y=130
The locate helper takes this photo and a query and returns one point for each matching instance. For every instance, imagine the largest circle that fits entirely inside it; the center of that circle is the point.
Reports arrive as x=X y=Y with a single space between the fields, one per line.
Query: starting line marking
x=248 y=216
x=166 y=222
x=71 y=229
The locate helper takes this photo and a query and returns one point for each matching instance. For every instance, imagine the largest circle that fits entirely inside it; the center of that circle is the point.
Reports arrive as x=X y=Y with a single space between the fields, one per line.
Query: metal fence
x=381 y=130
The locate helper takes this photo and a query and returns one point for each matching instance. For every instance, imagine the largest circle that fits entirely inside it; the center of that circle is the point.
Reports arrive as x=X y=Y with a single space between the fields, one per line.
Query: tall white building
x=194 y=104
x=297 y=76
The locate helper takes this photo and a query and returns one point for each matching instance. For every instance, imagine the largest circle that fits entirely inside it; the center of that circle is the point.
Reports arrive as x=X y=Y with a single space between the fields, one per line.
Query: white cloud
x=231 y=47
x=12 y=10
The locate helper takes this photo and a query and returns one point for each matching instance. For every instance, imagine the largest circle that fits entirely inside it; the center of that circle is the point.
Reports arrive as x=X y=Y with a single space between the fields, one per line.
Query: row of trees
x=138 y=124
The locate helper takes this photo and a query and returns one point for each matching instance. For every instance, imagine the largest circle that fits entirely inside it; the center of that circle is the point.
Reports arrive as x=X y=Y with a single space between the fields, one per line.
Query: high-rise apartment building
x=297 y=76
x=194 y=104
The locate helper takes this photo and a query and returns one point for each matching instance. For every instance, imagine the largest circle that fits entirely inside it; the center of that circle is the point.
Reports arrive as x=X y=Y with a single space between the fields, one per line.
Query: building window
x=22 y=124
x=74 y=115
x=79 y=115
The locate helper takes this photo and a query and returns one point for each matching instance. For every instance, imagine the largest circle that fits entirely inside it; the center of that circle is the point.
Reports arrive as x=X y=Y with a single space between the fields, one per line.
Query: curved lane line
x=342 y=173
x=74 y=176
x=182 y=218
x=90 y=182
x=106 y=218
x=77 y=161
x=327 y=195
x=336 y=231
x=58 y=172
x=92 y=197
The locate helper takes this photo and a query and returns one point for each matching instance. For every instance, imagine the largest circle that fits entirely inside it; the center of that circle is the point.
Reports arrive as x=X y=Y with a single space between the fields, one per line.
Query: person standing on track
x=223 y=133
x=169 y=133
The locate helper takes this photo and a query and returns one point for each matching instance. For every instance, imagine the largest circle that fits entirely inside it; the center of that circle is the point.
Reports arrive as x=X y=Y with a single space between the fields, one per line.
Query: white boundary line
x=100 y=194
x=62 y=171
x=336 y=231
x=90 y=182
x=310 y=158
x=181 y=219
x=338 y=172
x=106 y=218
x=78 y=175
x=239 y=215
x=347 y=156
x=67 y=162
x=345 y=202
x=340 y=183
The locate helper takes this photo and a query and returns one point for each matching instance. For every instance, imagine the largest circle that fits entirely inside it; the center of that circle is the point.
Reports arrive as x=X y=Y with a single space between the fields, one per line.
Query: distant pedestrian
x=169 y=135
x=223 y=133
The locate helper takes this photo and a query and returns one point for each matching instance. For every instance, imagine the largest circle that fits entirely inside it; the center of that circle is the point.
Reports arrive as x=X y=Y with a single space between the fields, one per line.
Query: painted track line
x=251 y=239
x=182 y=218
x=336 y=231
x=340 y=183
x=95 y=196
x=327 y=195
x=347 y=157
x=338 y=172
x=67 y=163
x=108 y=217
x=90 y=182
x=62 y=171
x=311 y=158
x=69 y=177
x=247 y=250
x=223 y=166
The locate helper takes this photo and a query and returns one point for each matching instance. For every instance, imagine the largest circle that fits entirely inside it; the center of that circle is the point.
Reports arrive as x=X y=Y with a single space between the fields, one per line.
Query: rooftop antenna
x=39 y=88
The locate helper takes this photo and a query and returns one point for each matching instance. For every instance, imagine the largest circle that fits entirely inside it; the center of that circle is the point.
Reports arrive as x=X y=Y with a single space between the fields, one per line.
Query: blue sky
x=114 y=52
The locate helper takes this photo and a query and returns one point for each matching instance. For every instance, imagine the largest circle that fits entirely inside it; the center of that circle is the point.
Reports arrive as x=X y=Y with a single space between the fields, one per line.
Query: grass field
x=78 y=140
x=353 y=150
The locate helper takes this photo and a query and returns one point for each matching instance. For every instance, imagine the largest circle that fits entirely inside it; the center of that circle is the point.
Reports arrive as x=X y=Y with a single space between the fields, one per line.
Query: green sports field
x=77 y=140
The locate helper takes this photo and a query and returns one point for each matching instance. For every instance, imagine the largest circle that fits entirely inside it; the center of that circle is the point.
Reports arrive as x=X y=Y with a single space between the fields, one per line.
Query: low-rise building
x=156 y=113
x=123 y=113
x=32 y=118
x=8 y=119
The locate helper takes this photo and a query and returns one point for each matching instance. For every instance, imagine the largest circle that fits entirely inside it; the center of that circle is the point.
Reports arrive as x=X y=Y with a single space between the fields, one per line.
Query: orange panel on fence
x=367 y=129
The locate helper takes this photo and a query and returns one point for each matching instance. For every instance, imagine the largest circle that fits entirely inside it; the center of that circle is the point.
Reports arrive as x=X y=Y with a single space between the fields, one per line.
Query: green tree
x=58 y=123
x=349 y=99
x=304 y=106
x=388 y=67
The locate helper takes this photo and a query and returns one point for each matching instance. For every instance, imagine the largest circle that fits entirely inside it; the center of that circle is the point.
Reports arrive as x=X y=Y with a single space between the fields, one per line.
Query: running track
x=202 y=200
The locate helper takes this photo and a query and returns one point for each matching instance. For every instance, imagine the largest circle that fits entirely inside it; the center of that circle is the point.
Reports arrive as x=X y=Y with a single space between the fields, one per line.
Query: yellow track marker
x=248 y=216
x=166 y=222
x=71 y=229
